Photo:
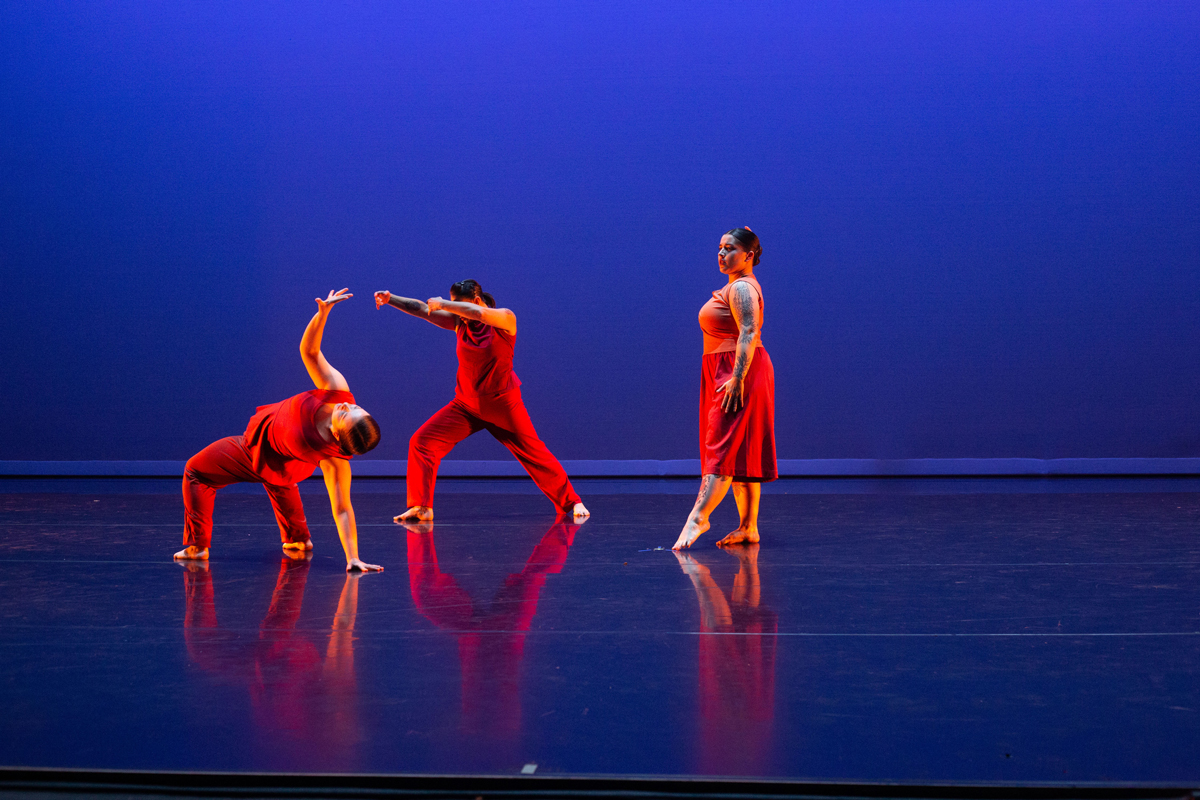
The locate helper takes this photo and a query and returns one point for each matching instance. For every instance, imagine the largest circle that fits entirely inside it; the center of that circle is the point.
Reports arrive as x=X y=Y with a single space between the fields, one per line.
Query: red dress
x=280 y=448
x=487 y=396
x=741 y=444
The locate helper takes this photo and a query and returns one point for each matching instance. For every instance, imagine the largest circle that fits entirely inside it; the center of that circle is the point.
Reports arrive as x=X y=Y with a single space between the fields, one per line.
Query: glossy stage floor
x=918 y=631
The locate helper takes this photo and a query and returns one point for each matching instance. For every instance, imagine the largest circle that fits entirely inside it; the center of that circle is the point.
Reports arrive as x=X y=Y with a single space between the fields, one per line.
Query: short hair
x=470 y=288
x=748 y=239
x=362 y=437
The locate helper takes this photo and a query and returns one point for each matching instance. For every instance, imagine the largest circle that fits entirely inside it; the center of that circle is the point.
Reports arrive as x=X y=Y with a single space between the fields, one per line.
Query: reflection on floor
x=280 y=669
x=737 y=671
x=1002 y=631
x=491 y=637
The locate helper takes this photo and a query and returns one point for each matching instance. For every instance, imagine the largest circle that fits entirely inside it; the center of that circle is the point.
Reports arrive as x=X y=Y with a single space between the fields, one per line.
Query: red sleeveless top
x=282 y=438
x=717 y=324
x=485 y=356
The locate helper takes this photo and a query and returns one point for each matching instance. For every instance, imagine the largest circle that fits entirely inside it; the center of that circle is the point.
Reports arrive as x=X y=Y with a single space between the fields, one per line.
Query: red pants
x=227 y=461
x=504 y=416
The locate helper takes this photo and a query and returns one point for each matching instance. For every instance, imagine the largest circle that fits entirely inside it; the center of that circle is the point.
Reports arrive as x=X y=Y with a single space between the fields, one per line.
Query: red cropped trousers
x=227 y=461
x=504 y=417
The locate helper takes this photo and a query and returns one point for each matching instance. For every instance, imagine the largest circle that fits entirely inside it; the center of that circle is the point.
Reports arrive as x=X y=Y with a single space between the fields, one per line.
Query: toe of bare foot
x=739 y=537
x=580 y=510
x=686 y=538
x=690 y=533
x=192 y=554
x=414 y=514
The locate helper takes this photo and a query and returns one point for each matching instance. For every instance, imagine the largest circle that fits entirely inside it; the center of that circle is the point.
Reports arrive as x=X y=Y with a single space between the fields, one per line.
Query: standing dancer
x=737 y=396
x=487 y=396
x=282 y=445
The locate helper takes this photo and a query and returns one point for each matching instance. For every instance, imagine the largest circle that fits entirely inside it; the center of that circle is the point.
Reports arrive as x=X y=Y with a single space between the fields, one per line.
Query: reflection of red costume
x=491 y=640
x=737 y=671
x=737 y=692
x=741 y=444
x=281 y=446
x=487 y=396
x=274 y=666
x=290 y=694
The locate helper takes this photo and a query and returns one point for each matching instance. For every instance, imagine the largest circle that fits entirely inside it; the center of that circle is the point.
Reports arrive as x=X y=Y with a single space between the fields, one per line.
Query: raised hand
x=436 y=303
x=382 y=298
x=333 y=299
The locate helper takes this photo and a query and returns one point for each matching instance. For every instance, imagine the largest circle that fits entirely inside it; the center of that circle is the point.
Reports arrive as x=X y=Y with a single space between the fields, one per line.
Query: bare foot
x=305 y=545
x=355 y=564
x=297 y=555
x=691 y=532
x=580 y=511
x=414 y=514
x=740 y=536
x=192 y=553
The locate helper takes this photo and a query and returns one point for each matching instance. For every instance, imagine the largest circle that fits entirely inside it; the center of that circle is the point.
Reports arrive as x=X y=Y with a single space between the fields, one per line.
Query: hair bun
x=748 y=240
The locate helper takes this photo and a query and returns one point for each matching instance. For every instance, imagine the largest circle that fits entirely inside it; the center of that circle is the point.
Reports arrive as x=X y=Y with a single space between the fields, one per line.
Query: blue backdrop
x=981 y=221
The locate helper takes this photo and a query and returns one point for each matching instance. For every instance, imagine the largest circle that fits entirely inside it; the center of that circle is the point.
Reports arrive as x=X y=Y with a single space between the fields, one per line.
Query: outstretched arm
x=500 y=318
x=742 y=302
x=337 y=482
x=416 y=308
x=320 y=370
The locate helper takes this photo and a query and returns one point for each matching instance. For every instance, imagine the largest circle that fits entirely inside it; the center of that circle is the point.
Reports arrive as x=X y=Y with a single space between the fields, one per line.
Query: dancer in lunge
x=486 y=397
x=282 y=445
x=737 y=396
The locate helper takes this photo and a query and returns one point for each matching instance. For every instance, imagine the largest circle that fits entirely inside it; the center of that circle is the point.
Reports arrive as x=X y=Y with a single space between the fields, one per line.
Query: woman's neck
x=324 y=422
x=746 y=273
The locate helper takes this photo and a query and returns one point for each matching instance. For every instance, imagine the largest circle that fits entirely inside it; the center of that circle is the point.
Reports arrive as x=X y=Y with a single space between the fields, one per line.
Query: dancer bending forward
x=737 y=396
x=282 y=445
x=487 y=396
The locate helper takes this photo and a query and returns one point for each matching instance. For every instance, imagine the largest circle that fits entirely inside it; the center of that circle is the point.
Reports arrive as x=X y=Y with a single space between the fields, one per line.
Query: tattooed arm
x=501 y=318
x=416 y=308
x=743 y=301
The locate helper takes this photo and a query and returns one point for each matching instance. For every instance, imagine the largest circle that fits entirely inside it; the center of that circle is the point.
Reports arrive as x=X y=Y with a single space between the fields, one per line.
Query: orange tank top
x=717 y=324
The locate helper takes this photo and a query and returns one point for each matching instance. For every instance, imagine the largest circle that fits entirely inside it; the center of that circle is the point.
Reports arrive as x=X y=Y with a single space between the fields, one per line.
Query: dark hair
x=748 y=239
x=360 y=438
x=471 y=289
